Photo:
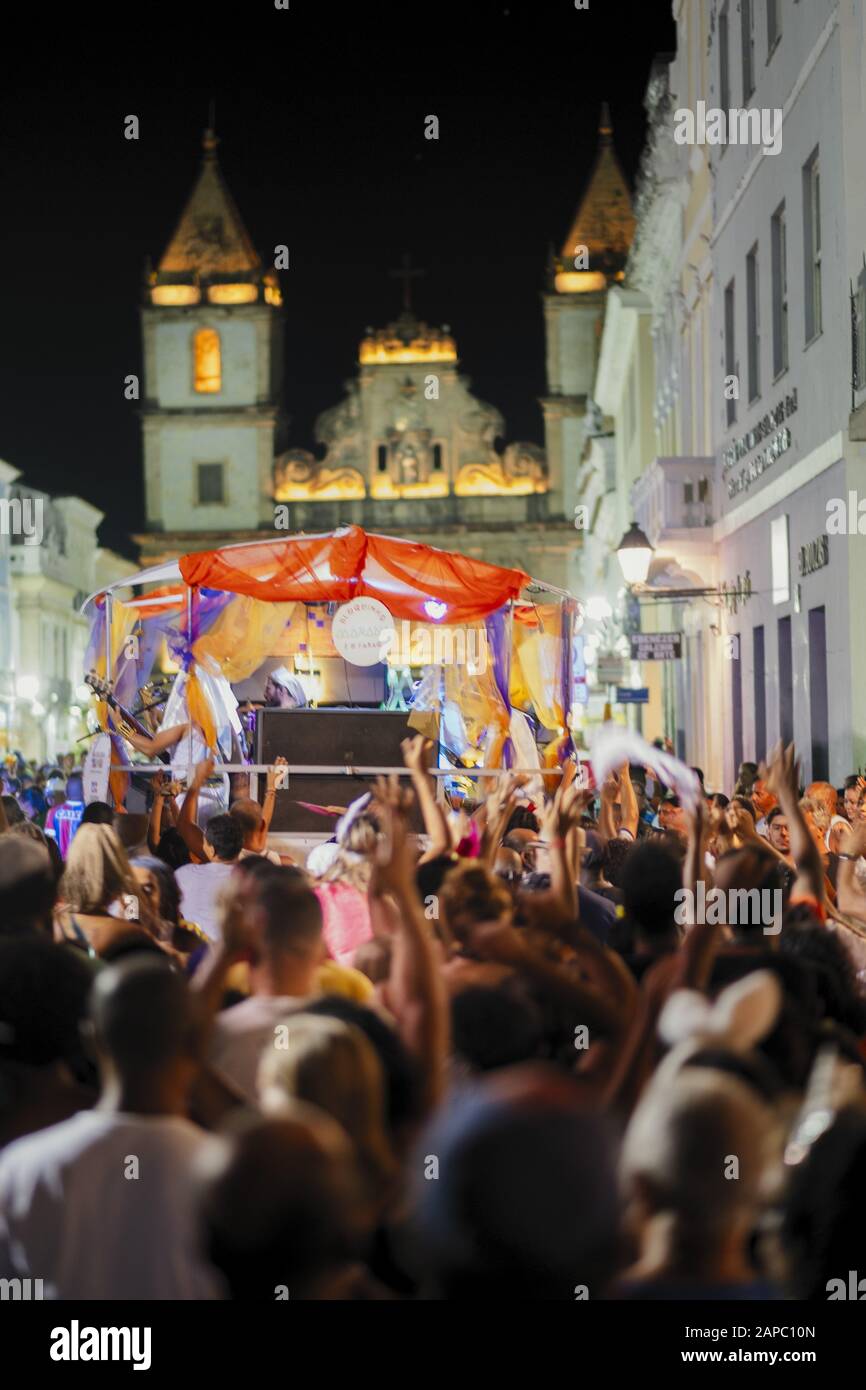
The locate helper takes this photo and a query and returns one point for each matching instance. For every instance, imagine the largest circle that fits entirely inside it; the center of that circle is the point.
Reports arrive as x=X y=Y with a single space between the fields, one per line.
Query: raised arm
x=152 y=744
x=850 y=897
x=189 y=830
x=271 y=790
x=782 y=776
x=628 y=801
x=415 y=991
x=416 y=753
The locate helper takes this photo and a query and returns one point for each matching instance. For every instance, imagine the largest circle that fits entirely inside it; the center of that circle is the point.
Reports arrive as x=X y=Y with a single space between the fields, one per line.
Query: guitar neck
x=133 y=723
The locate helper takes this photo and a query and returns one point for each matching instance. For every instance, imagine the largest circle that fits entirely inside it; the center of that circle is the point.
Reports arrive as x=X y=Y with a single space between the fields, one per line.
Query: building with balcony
x=53 y=565
x=789 y=237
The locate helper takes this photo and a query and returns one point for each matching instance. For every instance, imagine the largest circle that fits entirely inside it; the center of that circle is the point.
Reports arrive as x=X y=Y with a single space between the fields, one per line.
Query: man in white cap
x=284 y=691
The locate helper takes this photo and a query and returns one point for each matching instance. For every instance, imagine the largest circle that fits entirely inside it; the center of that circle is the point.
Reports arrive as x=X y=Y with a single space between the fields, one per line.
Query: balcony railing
x=673 y=499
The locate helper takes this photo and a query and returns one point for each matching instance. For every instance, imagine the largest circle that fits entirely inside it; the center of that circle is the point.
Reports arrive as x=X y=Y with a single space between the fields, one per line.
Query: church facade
x=409 y=450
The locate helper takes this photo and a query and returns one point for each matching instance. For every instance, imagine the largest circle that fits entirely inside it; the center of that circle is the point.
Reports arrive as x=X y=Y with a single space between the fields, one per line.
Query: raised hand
x=782 y=773
x=203 y=771
x=416 y=753
x=273 y=774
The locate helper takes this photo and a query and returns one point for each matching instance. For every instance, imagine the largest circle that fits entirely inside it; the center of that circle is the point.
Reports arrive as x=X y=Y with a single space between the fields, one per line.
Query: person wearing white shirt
x=201 y=885
x=288 y=951
x=103 y=1205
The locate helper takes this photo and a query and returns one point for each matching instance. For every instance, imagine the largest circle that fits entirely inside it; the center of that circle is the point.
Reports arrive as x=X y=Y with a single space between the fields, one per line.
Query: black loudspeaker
x=327 y=738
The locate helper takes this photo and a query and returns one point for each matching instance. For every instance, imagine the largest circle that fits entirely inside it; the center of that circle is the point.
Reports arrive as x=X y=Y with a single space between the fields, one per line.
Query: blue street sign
x=632 y=695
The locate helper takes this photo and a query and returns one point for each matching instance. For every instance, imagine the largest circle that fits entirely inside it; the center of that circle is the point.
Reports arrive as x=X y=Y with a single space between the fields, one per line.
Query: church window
x=382 y=458
x=211 y=488
x=207 y=361
x=437 y=456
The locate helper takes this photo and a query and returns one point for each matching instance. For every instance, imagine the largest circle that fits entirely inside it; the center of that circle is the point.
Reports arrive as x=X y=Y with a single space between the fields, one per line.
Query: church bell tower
x=212 y=410
x=592 y=257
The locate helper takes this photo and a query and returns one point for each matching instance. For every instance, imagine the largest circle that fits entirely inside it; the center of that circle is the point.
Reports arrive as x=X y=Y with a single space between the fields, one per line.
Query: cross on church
x=407 y=275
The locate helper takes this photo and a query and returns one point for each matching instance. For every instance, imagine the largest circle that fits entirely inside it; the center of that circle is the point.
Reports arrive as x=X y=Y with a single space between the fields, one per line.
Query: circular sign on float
x=363 y=631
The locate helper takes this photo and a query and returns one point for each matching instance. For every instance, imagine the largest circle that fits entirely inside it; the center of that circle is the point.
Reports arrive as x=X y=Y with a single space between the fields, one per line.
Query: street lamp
x=634 y=553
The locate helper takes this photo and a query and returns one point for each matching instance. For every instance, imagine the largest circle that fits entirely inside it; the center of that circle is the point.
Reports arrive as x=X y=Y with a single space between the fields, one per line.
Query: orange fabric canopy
x=404 y=575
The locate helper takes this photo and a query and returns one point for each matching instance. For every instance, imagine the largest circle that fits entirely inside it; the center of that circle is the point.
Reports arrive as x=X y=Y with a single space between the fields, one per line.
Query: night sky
x=320 y=113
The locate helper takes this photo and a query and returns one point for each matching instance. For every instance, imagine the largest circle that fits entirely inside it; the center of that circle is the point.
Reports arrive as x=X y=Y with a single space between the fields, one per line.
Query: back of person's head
x=280 y=1210
x=172 y=848
x=97 y=813
x=525 y=1201
x=616 y=853
x=747 y=872
x=288 y=913
x=470 y=893
x=131 y=830
x=824 y=794
x=144 y=1017
x=430 y=875
x=74 y=787
x=44 y=990
x=522 y=818
x=823 y=1231
x=28 y=885
x=14 y=814
x=747 y=775
x=332 y=1065
x=248 y=814
x=225 y=837
x=808 y=940
x=494 y=1028
x=677 y=1151
x=402 y=1077
x=594 y=854
x=650 y=879
x=97 y=870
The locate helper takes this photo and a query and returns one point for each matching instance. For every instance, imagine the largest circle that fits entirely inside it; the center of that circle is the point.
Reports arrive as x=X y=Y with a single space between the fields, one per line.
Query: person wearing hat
x=284 y=691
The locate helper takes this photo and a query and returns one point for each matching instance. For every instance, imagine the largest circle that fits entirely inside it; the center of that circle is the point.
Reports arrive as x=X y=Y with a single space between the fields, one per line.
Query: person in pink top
x=342 y=874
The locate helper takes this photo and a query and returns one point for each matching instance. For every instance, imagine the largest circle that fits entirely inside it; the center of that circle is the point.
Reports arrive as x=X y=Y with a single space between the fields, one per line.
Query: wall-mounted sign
x=772 y=427
x=632 y=695
x=737 y=594
x=814 y=555
x=610 y=670
x=656 y=646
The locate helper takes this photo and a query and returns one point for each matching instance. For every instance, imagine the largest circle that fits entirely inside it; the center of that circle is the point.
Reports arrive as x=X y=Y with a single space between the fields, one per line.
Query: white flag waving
x=613 y=745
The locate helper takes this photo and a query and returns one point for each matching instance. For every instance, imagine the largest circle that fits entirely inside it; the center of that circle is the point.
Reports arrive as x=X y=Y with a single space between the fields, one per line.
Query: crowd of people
x=513 y=1057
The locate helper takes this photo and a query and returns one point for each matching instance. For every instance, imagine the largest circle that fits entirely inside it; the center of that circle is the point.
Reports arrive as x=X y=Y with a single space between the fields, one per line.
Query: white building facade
x=51 y=573
x=788 y=241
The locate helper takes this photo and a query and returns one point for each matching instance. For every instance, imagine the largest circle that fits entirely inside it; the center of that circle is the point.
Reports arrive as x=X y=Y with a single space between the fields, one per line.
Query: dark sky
x=320 y=113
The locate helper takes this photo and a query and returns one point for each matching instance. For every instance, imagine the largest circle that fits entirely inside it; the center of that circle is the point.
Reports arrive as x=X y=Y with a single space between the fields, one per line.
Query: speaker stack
x=327 y=738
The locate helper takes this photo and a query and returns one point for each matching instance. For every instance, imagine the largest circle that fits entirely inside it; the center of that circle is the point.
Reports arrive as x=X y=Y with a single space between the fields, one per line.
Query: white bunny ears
x=740 y=1017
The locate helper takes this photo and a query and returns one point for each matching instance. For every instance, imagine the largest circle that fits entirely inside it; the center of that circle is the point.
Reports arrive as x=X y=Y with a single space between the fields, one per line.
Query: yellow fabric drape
x=485 y=717
x=536 y=666
x=123 y=620
x=243 y=636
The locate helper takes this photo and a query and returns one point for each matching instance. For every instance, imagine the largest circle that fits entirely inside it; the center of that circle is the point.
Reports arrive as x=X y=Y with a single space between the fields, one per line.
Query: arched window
x=382 y=458
x=207 y=361
x=437 y=457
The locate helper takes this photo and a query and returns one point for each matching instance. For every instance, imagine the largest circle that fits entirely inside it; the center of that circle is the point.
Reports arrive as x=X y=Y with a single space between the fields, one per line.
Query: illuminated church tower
x=592 y=257
x=212 y=413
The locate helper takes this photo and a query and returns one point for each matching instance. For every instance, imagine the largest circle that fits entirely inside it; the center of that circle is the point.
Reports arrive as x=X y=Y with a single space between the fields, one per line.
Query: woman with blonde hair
x=100 y=898
x=332 y=1065
x=341 y=873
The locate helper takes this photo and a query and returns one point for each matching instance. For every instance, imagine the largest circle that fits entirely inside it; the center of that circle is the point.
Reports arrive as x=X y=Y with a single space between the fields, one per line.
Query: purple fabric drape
x=497 y=626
